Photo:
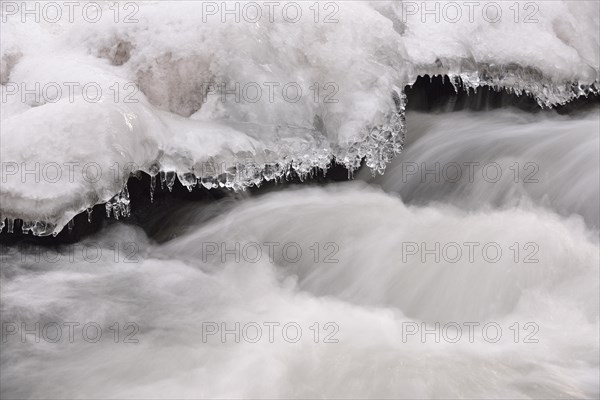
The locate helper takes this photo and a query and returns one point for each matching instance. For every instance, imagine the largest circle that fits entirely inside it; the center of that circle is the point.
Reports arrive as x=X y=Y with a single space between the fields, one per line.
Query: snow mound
x=230 y=94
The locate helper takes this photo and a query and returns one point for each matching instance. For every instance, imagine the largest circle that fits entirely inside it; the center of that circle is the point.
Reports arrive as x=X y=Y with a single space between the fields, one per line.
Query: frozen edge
x=376 y=145
x=512 y=78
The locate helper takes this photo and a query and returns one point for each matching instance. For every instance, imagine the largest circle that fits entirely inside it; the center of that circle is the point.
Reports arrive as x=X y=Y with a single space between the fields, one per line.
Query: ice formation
x=229 y=97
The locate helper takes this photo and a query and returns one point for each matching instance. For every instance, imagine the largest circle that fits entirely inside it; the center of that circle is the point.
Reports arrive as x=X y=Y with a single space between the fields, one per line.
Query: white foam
x=370 y=293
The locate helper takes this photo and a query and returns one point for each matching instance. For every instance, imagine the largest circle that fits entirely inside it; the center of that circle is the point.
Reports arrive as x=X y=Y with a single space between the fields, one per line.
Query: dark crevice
x=437 y=94
x=159 y=218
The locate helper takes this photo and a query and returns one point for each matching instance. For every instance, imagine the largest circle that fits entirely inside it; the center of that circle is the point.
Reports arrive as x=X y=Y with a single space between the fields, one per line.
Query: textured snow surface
x=161 y=89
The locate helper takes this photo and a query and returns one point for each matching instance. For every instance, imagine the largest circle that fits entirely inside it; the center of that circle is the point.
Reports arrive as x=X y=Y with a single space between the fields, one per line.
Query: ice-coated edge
x=512 y=78
x=370 y=48
x=376 y=145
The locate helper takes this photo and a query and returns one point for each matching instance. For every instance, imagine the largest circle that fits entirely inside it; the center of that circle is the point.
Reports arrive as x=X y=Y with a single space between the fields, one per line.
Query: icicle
x=89 y=214
x=70 y=225
x=269 y=172
x=26 y=227
x=188 y=180
x=125 y=202
x=39 y=228
x=206 y=183
x=454 y=82
x=170 y=180
x=119 y=205
x=163 y=178
x=152 y=187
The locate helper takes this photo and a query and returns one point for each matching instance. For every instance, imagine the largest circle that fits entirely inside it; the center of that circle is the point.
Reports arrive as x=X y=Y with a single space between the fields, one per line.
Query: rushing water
x=369 y=262
x=501 y=159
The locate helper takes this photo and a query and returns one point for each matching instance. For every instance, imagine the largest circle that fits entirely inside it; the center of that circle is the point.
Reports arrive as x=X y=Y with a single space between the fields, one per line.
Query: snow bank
x=231 y=94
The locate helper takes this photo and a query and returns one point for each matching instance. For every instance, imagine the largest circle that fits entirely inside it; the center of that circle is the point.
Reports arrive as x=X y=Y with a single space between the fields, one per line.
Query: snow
x=172 y=65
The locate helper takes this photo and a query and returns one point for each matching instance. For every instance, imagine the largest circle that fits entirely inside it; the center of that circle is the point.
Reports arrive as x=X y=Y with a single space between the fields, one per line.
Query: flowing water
x=469 y=270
